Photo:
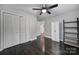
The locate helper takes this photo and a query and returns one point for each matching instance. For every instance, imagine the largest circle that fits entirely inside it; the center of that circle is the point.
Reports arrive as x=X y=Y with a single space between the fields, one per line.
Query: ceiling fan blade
x=36 y=9
x=40 y=12
x=53 y=6
x=45 y=6
x=48 y=12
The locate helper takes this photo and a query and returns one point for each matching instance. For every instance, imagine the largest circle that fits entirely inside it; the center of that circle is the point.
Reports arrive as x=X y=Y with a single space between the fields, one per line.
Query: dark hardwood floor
x=32 y=48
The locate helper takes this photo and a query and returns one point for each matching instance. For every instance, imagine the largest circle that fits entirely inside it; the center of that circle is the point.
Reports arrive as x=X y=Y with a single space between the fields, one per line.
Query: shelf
x=71 y=22
x=71 y=27
x=71 y=38
x=71 y=33
x=71 y=44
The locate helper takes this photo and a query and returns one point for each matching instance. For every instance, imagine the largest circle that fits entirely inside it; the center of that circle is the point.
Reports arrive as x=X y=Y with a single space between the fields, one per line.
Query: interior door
x=16 y=31
x=11 y=29
x=22 y=30
x=55 y=31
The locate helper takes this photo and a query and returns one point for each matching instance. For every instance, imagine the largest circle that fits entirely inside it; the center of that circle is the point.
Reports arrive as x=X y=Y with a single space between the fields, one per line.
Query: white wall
x=0 y=30
x=48 y=28
x=32 y=27
x=71 y=15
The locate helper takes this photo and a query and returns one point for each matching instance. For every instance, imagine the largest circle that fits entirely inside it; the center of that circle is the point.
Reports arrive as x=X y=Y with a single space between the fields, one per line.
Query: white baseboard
x=45 y=35
x=51 y=38
x=48 y=36
x=30 y=39
x=1 y=49
x=20 y=43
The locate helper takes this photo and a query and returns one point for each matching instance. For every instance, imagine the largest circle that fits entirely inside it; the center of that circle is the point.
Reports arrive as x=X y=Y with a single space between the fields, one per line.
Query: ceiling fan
x=45 y=9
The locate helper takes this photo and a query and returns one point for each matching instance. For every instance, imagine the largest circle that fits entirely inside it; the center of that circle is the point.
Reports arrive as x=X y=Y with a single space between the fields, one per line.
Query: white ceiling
x=55 y=11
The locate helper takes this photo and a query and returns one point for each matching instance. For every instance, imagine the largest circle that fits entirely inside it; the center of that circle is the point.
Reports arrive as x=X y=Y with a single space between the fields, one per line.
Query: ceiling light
x=44 y=10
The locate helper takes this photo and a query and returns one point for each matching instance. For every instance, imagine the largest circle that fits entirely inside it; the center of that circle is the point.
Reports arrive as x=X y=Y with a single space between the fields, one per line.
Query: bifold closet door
x=22 y=30
x=11 y=30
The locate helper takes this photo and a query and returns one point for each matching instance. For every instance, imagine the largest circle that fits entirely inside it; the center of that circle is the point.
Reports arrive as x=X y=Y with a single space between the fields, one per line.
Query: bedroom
x=21 y=28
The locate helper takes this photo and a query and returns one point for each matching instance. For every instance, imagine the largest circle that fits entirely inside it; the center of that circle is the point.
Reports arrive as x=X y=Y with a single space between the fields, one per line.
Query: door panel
x=55 y=31
x=8 y=30
x=15 y=20
x=11 y=29
x=22 y=30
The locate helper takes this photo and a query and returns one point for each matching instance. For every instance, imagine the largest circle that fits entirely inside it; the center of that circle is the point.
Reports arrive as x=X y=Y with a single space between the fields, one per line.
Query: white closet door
x=8 y=30
x=22 y=30
x=15 y=20
x=11 y=29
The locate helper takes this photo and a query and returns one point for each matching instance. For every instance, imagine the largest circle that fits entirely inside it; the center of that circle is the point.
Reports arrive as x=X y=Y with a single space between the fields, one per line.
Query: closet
x=12 y=29
x=16 y=28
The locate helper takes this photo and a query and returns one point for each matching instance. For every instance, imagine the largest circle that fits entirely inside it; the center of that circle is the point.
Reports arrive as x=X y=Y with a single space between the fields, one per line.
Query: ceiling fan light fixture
x=44 y=10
